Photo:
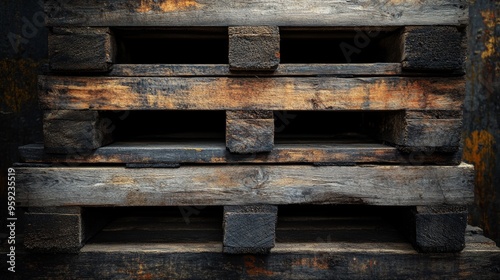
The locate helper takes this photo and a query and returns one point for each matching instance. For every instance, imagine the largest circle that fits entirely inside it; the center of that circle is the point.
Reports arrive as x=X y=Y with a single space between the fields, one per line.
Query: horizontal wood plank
x=243 y=185
x=215 y=70
x=216 y=152
x=256 y=12
x=324 y=93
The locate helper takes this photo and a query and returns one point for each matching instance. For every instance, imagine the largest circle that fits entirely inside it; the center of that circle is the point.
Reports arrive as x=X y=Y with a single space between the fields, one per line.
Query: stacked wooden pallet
x=406 y=95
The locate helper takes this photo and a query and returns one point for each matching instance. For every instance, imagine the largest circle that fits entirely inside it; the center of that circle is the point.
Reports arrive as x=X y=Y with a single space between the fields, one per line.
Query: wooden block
x=81 y=49
x=270 y=12
x=430 y=48
x=75 y=131
x=249 y=229
x=246 y=184
x=420 y=130
x=223 y=93
x=254 y=48
x=249 y=131
x=438 y=229
x=61 y=229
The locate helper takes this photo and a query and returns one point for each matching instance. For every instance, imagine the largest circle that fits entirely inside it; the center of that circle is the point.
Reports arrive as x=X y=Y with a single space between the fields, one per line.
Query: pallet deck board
x=173 y=151
x=244 y=185
x=276 y=13
x=215 y=93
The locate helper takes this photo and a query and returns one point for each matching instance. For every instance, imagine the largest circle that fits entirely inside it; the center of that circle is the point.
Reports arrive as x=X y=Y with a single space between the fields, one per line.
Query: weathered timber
x=254 y=48
x=249 y=229
x=436 y=48
x=323 y=93
x=81 y=49
x=214 y=70
x=274 y=13
x=61 y=229
x=216 y=152
x=244 y=185
x=320 y=259
x=68 y=131
x=438 y=229
x=249 y=131
x=412 y=131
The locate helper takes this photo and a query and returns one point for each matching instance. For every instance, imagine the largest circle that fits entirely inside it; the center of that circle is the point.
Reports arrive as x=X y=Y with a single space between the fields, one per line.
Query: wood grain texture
x=249 y=229
x=216 y=152
x=249 y=131
x=438 y=229
x=325 y=93
x=243 y=185
x=289 y=260
x=436 y=48
x=75 y=131
x=275 y=13
x=254 y=48
x=215 y=70
x=417 y=130
x=81 y=50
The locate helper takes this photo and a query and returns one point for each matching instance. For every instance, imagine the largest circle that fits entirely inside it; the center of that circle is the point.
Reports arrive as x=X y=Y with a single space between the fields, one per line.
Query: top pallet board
x=256 y=12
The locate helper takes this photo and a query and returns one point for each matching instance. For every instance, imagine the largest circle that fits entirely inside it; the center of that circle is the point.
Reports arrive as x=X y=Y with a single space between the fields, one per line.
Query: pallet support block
x=61 y=229
x=81 y=49
x=438 y=229
x=415 y=131
x=254 y=48
x=249 y=229
x=70 y=132
x=249 y=131
x=429 y=48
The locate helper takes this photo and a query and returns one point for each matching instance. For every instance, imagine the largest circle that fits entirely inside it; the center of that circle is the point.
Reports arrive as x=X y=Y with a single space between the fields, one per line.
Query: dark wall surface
x=482 y=113
x=23 y=50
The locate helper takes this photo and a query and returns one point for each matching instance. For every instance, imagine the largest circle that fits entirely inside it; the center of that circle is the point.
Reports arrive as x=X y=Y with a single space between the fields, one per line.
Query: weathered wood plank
x=249 y=131
x=417 y=130
x=318 y=260
x=214 y=70
x=81 y=49
x=249 y=229
x=436 y=48
x=438 y=229
x=254 y=48
x=275 y=13
x=244 y=185
x=75 y=131
x=216 y=152
x=325 y=93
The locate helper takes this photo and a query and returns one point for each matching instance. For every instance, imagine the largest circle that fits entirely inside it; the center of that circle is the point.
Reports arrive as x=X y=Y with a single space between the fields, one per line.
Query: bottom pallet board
x=245 y=185
x=324 y=258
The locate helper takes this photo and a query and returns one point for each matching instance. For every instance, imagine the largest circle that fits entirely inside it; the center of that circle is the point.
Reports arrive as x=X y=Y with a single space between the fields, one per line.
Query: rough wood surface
x=320 y=259
x=81 y=49
x=216 y=152
x=276 y=13
x=438 y=229
x=249 y=229
x=249 y=131
x=254 y=48
x=417 y=130
x=214 y=70
x=436 y=48
x=68 y=131
x=243 y=185
x=325 y=93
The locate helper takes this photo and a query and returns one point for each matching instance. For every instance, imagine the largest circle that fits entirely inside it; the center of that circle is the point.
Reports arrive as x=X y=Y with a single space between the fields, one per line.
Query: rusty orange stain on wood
x=253 y=268
x=491 y=41
x=18 y=84
x=167 y=5
x=479 y=150
x=312 y=263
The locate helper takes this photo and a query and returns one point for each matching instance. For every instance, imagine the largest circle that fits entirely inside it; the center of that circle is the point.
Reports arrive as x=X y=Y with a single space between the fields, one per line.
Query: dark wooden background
x=23 y=51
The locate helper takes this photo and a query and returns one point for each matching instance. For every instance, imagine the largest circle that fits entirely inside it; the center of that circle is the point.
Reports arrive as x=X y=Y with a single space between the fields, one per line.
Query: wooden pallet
x=409 y=96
